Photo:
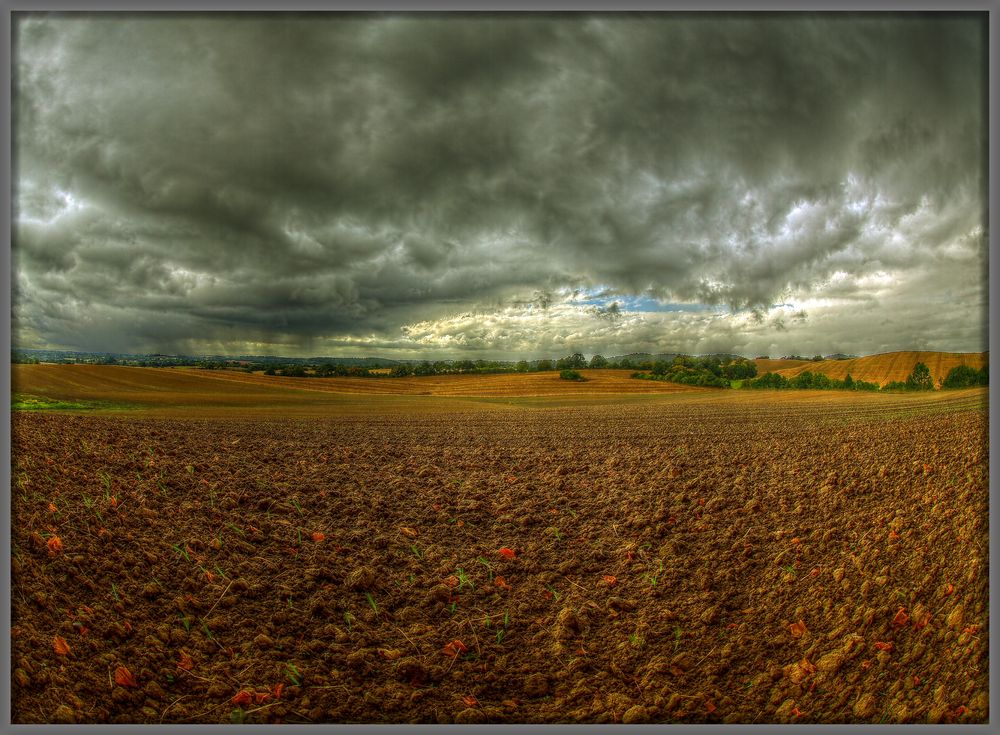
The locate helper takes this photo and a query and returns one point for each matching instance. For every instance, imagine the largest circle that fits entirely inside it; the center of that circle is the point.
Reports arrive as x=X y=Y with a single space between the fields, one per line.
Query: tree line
x=573 y=362
x=708 y=371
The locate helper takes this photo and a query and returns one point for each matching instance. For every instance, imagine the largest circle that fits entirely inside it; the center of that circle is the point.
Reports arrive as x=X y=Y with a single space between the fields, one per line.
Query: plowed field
x=703 y=557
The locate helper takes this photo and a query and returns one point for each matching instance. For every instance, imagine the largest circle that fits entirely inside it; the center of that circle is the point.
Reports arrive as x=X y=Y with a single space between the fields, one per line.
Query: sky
x=493 y=186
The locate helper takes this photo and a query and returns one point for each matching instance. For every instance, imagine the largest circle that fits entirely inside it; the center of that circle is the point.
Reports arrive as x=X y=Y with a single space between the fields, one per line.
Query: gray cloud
x=294 y=184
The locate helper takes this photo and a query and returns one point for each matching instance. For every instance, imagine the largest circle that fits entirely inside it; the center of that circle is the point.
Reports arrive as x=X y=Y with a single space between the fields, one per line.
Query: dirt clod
x=635 y=715
x=536 y=685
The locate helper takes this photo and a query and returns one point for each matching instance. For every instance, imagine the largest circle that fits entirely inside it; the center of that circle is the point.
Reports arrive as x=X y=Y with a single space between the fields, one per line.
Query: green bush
x=570 y=375
x=964 y=376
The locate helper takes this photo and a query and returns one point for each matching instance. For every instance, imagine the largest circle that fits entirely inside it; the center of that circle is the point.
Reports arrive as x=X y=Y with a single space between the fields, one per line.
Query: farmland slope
x=879 y=369
x=177 y=386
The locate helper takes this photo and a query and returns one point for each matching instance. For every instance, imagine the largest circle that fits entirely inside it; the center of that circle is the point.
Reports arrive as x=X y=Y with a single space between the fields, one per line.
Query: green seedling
x=114 y=592
x=221 y=573
x=348 y=620
x=463 y=578
x=555 y=532
x=297 y=506
x=181 y=551
x=791 y=570
x=190 y=469
x=88 y=502
x=185 y=622
x=371 y=601
x=298 y=532
x=677 y=638
x=237 y=716
x=636 y=640
x=208 y=633
x=656 y=575
x=236 y=528
x=501 y=634
x=489 y=567
x=293 y=674
x=106 y=481
x=453 y=608
x=553 y=592
x=416 y=551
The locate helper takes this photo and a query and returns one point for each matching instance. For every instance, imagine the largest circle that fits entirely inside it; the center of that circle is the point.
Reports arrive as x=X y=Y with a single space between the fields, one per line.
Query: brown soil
x=723 y=560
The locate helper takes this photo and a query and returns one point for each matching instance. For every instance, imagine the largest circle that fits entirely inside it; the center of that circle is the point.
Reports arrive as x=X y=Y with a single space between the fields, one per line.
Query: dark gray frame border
x=10 y=7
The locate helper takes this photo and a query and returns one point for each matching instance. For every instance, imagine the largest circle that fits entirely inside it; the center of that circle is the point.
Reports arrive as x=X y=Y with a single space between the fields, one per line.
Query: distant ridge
x=668 y=356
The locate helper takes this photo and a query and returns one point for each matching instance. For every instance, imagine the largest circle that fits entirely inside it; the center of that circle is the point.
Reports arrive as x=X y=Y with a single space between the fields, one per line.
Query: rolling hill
x=879 y=369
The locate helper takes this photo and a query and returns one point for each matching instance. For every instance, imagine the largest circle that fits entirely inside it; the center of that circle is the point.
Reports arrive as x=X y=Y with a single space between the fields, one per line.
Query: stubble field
x=698 y=557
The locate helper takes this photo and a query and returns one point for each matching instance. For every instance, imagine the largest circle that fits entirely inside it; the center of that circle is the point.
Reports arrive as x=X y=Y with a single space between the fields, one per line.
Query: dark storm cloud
x=196 y=181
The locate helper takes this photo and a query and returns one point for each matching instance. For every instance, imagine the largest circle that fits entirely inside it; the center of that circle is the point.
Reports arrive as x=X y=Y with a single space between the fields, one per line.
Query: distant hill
x=667 y=356
x=879 y=369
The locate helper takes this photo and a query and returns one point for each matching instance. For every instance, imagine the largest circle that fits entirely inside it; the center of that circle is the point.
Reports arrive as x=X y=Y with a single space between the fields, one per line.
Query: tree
x=544 y=365
x=768 y=380
x=570 y=375
x=740 y=369
x=424 y=368
x=848 y=382
x=522 y=366
x=963 y=376
x=598 y=361
x=920 y=378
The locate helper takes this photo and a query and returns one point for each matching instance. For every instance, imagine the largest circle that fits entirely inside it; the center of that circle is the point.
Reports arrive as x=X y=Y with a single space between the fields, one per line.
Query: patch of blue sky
x=642 y=304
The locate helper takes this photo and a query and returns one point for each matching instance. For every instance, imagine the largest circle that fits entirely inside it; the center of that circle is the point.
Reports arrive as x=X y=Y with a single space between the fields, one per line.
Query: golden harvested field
x=879 y=369
x=775 y=365
x=696 y=556
x=170 y=388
